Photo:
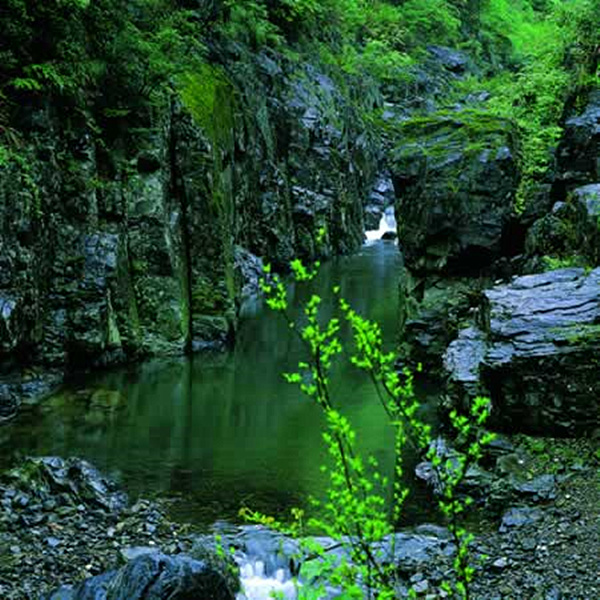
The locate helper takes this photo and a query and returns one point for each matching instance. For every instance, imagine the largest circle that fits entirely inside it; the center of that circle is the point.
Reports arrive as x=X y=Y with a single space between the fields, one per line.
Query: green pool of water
x=223 y=431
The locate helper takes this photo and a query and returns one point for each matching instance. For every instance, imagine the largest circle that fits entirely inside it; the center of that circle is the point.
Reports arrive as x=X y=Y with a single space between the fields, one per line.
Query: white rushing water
x=387 y=224
x=256 y=585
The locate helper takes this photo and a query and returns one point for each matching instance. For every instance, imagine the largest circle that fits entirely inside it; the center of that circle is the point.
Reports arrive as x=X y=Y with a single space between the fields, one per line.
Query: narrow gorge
x=299 y=299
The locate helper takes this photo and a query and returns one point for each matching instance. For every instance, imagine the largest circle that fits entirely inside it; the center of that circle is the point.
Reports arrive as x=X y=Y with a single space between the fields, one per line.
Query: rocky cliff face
x=121 y=243
x=455 y=174
x=529 y=344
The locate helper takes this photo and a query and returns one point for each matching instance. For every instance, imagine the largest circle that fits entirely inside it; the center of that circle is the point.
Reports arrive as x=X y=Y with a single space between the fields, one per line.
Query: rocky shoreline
x=62 y=522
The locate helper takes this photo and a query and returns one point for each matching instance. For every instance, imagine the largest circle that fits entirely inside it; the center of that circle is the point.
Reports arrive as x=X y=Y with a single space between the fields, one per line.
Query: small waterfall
x=256 y=585
x=264 y=559
x=387 y=224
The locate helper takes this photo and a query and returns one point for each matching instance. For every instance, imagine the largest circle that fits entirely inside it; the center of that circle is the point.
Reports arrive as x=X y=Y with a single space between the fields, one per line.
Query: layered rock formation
x=533 y=353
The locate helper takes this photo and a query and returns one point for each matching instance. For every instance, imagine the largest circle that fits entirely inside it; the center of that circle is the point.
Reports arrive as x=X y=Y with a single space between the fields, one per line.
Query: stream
x=219 y=432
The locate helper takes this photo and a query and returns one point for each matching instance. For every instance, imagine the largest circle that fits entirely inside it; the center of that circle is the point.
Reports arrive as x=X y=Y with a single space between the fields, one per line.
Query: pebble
x=500 y=564
x=53 y=542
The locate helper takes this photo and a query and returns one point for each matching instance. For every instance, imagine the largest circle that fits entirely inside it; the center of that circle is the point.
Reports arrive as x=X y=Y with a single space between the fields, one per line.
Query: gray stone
x=74 y=479
x=451 y=59
x=533 y=353
x=249 y=270
x=515 y=518
x=133 y=552
x=53 y=542
x=542 y=487
x=500 y=564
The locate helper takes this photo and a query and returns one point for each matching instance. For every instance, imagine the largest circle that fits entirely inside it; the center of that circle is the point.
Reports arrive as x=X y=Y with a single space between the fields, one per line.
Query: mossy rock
x=455 y=176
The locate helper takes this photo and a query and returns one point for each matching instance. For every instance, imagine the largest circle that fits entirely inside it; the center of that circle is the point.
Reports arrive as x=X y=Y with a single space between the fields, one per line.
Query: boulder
x=73 y=480
x=153 y=576
x=455 y=176
x=533 y=352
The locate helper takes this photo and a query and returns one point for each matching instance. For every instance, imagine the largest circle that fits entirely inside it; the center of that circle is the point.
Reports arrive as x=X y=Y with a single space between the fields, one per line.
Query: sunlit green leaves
x=354 y=511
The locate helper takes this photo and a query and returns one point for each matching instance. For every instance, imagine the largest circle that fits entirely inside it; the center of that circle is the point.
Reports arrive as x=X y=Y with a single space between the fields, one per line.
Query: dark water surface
x=224 y=431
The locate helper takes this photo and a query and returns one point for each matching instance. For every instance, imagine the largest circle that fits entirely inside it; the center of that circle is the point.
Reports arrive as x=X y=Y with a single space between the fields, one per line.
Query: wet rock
x=258 y=544
x=249 y=270
x=432 y=311
x=66 y=519
x=540 y=488
x=373 y=216
x=381 y=197
x=532 y=352
x=133 y=552
x=500 y=564
x=121 y=255
x=382 y=193
x=157 y=576
x=73 y=480
x=152 y=577
x=464 y=357
x=414 y=552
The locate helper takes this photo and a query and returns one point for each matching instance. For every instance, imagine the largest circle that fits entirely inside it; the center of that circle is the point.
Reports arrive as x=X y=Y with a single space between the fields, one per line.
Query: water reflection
x=224 y=431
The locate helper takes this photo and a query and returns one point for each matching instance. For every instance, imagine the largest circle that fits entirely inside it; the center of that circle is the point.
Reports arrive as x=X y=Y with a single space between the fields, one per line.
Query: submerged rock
x=533 y=352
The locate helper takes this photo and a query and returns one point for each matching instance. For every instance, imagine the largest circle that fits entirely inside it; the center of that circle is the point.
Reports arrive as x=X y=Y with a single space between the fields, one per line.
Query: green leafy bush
x=533 y=93
x=354 y=513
